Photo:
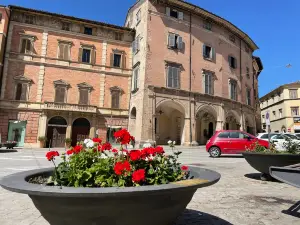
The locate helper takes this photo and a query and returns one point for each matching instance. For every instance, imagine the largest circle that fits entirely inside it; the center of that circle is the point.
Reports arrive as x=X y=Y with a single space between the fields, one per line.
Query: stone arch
x=80 y=129
x=206 y=122
x=169 y=121
x=56 y=131
x=232 y=120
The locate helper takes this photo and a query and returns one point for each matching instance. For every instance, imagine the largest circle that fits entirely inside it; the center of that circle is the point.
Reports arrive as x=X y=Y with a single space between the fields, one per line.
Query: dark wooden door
x=57 y=136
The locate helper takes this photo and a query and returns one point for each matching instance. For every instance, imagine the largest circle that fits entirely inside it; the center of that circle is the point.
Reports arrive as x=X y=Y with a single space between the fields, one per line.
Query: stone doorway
x=56 y=132
x=80 y=130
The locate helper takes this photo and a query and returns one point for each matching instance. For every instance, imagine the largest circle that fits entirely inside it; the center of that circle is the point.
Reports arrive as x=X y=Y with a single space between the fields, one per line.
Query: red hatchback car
x=231 y=142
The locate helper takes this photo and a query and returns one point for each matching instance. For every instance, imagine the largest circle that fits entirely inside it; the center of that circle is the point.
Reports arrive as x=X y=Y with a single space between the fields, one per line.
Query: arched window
x=133 y=113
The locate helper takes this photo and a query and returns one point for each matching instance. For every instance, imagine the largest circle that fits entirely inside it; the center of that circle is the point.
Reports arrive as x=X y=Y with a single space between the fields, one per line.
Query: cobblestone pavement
x=239 y=198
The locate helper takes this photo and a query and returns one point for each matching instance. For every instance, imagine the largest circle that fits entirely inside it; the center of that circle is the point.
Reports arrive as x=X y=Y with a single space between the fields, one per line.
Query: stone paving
x=239 y=198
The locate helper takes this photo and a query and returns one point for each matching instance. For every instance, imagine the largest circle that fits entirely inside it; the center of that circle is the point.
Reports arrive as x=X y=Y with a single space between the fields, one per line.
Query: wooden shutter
x=80 y=55
x=170 y=76
x=82 y=29
x=229 y=61
x=111 y=59
x=138 y=43
x=29 y=47
x=60 y=51
x=204 y=53
x=60 y=94
x=212 y=84
x=123 y=61
x=93 y=56
x=23 y=45
x=171 y=40
x=180 y=15
x=213 y=54
x=134 y=46
x=168 y=11
x=94 y=31
x=179 y=43
x=24 y=92
x=83 y=97
x=67 y=49
x=176 y=77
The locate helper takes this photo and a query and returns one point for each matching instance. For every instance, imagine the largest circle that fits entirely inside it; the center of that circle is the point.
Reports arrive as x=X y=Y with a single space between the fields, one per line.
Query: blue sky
x=273 y=25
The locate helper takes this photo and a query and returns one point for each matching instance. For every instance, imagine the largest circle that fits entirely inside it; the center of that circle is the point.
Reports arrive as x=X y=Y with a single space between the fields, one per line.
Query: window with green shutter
x=173 y=77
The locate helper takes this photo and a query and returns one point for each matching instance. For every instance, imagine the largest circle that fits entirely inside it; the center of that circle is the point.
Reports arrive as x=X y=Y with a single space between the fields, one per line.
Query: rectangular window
x=232 y=62
x=88 y=30
x=233 y=90
x=208 y=52
x=175 y=41
x=208 y=83
x=0 y=17
x=174 y=13
x=173 y=75
x=136 y=45
x=29 y=19
x=86 y=55
x=118 y=36
x=25 y=46
x=21 y=92
x=66 y=26
x=135 y=78
x=64 y=51
x=248 y=96
x=138 y=17
x=115 y=99
x=247 y=72
x=207 y=25
x=117 y=60
x=280 y=113
x=83 y=96
x=60 y=93
x=295 y=111
x=293 y=94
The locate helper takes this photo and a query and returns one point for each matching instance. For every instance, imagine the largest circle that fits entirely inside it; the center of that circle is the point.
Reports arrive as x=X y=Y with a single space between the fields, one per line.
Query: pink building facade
x=193 y=73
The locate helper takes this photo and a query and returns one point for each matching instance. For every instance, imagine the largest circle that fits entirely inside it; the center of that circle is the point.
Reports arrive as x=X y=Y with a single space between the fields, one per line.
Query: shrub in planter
x=96 y=164
x=262 y=159
x=42 y=140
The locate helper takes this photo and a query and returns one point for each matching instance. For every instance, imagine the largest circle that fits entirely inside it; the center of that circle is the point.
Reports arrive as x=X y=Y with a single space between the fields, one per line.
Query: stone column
x=242 y=121
x=93 y=127
x=69 y=127
x=42 y=125
x=186 y=130
x=194 y=125
x=220 y=118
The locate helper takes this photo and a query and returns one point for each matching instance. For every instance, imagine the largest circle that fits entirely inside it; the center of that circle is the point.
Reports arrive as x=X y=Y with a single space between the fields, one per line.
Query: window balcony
x=70 y=107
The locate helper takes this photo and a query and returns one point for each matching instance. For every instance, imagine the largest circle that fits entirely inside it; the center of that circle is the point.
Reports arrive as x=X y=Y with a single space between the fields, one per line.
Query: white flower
x=169 y=142
x=86 y=141
x=89 y=144
x=103 y=156
x=122 y=153
x=174 y=142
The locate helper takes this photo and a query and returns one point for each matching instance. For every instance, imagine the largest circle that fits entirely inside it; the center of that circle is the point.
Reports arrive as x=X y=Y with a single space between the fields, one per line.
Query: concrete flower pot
x=146 y=205
x=263 y=161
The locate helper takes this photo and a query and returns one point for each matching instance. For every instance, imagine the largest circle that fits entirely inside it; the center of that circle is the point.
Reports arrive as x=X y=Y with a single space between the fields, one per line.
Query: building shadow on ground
x=7 y=150
x=293 y=210
x=256 y=176
x=194 y=217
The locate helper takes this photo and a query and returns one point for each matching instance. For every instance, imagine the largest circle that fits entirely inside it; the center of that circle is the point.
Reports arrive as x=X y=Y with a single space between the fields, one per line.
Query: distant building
x=63 y=77
x=283 y=106
x=193 y=73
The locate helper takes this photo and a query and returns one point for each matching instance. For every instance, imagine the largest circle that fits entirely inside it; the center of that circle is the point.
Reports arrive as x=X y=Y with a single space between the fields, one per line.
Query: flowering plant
x=96 y=164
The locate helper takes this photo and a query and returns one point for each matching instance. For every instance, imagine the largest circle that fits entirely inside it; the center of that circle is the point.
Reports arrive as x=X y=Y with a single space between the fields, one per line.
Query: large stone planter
x=147 y=205
x=263 y=161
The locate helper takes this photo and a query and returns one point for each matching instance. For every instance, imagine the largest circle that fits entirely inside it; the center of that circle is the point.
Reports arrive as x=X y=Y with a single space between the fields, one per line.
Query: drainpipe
x=4 y=48
x=242 y=116
x=190 y=86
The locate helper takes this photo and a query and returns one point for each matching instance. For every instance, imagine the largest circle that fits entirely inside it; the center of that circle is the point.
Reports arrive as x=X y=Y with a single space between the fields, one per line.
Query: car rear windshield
x=266 y=136
x=223 y=135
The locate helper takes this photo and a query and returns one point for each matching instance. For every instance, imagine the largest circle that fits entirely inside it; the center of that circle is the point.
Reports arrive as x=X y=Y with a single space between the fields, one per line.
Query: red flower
x=97 y=140
x=115 y=151
x=138 y=176
x=106 y=146
x=70 y=152
x=77 y=149
x=135 y=155
x=123 y=136
x=50 y=155
x=121 y=167
x=184 y=168
x=159 y=150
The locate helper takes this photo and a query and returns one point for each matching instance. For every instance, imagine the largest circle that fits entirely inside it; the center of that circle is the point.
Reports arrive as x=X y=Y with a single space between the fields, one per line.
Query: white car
x=278 y=139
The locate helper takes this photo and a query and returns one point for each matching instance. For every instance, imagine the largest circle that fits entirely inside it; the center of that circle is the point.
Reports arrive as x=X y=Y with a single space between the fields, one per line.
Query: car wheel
x=215 y=152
